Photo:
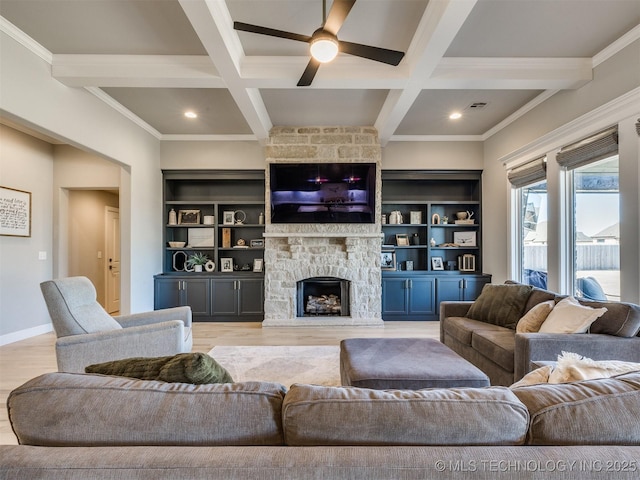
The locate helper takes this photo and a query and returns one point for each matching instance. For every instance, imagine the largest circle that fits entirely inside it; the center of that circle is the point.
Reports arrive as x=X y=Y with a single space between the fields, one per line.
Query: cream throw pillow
x=533 y=319
x=572 y=367
x=569 y=316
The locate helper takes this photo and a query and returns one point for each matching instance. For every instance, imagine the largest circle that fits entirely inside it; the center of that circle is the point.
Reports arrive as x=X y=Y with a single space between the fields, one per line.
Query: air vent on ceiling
x=477 y=106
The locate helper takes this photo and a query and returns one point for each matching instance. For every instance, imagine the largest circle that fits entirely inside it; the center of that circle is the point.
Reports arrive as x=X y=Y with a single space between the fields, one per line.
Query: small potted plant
x=197 y=261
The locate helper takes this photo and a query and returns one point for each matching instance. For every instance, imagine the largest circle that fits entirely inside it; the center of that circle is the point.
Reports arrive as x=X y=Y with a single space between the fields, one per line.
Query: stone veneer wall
x=294 y=252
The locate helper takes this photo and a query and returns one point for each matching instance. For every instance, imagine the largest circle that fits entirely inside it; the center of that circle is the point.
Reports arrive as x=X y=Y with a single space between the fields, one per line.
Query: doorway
x=94 y=242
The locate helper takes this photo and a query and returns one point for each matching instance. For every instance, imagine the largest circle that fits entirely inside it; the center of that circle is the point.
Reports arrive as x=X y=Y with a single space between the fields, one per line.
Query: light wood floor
x=29 y=358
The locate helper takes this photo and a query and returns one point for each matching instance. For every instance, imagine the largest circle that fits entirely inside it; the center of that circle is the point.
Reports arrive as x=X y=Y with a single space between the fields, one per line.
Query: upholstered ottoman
x=405 y=363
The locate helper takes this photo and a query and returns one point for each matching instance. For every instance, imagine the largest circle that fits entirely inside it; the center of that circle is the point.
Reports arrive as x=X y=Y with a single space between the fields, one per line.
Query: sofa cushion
x=537 y=296
x=498 y=345
x=534 y=318
x=589 y=412
x=620 y=319
x=316 y=415
x=569 y=316
x=77 y=409
x=501 y=305
x=196 y=367
x=462 y=328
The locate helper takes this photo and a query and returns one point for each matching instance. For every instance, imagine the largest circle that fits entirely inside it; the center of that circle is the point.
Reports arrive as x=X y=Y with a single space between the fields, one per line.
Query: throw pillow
x=534 y=377
x=534 y=318
x=573 y=367
x=196 y=368
x=500 y=304
x=569 y=316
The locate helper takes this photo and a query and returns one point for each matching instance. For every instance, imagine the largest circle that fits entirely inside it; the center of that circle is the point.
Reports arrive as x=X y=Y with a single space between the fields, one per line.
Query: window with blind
x=593 y=177
x=529 y=182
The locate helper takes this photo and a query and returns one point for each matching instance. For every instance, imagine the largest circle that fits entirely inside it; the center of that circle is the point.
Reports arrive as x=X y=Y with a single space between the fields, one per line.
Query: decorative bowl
x=176 y=244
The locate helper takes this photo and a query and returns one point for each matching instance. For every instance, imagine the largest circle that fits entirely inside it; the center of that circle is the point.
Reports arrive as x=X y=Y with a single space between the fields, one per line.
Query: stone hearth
x=294 y=252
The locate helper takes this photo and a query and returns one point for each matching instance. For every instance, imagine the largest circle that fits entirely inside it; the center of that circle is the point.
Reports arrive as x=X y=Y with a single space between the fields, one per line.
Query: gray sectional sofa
x=81 y=426
x=506 y=356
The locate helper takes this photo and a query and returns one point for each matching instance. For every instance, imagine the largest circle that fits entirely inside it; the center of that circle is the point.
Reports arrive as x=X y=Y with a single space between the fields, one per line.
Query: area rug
x=318 y=365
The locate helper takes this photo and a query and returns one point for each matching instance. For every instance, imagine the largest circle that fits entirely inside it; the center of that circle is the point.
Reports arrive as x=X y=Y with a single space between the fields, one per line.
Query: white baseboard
x=24 y=334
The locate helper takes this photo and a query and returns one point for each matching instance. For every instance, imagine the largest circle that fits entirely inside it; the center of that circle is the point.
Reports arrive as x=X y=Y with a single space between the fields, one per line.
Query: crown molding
x=610 y=113
x=25 y=40
x=208 y=138
x=123 y=111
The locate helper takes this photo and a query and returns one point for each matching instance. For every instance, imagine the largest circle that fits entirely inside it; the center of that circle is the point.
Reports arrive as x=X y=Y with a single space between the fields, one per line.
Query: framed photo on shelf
x=188 y=217
x=388 y=260
x=402 y=240
x=15 y=209
x=257 y=264
x=465 y=239
x=437 y=263
x=226 y=264
x=228 y=217
x=259 y=243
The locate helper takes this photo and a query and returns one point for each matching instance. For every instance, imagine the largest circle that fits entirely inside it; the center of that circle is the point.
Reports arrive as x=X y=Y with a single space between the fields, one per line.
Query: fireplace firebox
x=323 y=296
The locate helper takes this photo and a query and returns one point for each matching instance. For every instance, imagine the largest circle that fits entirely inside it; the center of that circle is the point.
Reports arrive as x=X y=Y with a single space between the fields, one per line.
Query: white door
x=112 y=231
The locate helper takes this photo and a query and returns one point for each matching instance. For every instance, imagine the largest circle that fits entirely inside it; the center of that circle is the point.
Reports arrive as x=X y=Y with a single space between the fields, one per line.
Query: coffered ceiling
x=488 y=59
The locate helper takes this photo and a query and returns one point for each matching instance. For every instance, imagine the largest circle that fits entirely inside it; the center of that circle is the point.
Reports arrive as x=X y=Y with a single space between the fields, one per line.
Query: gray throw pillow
x=501 y=305
x=196 y=368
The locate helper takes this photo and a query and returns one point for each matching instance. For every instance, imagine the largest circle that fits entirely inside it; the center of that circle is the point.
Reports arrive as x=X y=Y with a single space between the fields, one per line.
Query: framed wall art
x=15 y=212
x=465 y=239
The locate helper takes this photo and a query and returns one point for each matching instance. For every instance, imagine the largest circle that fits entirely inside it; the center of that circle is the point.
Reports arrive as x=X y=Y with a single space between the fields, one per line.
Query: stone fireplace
x=297 y=252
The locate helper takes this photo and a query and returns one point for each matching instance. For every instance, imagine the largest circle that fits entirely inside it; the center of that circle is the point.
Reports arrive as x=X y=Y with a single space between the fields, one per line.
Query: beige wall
x=26 y=164
x=617 y=77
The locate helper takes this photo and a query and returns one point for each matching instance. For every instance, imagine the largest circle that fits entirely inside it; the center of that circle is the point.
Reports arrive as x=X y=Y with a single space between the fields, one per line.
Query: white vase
x=197 y=268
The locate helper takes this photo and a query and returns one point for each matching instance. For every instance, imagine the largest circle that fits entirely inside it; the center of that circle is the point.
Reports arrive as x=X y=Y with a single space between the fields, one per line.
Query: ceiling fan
x=324 y=43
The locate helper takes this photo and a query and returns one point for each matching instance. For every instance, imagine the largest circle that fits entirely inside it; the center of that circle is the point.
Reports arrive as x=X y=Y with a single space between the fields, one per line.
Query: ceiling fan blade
x=309 y=73
x=246 y=27
x=390 y=57
x=337 y=15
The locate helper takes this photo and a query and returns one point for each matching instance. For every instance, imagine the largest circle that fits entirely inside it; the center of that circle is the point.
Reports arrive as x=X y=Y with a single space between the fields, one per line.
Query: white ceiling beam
x=177 y=71
x=212 y=23
x=197 y=71
x=510 y=73
x=438 y=27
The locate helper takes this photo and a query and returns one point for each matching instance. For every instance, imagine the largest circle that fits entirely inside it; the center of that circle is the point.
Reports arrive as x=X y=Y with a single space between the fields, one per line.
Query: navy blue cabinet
x=408 y=297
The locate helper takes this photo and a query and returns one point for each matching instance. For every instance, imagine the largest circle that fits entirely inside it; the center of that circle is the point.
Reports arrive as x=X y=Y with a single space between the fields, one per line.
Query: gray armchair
x=87 y=334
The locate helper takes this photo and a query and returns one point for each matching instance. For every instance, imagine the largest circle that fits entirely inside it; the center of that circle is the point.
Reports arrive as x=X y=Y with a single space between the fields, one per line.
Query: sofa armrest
x=452 y=309
x=547 y=346
x=156 y=316
x=75 y=352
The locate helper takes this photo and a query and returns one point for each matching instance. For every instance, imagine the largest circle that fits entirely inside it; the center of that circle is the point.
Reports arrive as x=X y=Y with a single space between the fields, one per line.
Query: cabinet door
x=223 y=296
x=251 y=296
x=394 y=296
x=167 y=294
x=473 y=287
x=422 y=297
x=196 y=295
x=449 y=290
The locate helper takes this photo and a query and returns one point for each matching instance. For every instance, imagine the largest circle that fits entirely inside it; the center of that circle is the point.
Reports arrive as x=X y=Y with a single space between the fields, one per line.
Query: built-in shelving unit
x=432 y=250
x=219 y=214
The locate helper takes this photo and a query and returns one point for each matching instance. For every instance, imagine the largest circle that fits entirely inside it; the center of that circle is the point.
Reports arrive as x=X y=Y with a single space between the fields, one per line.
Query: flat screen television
x=323 y=192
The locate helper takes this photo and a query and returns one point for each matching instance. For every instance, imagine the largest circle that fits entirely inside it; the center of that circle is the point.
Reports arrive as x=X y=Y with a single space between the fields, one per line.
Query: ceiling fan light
x=324 y=48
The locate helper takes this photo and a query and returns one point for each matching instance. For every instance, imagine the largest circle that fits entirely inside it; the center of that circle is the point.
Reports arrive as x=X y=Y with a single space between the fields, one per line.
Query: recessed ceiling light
x=455 y=115
x=190 y=114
